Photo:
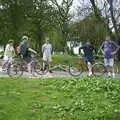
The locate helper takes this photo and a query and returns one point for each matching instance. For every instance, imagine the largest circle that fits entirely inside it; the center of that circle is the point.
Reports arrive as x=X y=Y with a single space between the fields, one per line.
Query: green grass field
x=60 y=99
x=64 y=59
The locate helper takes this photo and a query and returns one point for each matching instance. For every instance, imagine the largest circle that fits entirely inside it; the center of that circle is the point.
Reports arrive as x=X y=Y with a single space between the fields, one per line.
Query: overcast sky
x=75 y=2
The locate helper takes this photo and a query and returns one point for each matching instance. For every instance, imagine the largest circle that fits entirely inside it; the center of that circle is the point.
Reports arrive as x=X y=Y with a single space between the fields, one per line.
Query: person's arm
x=31 y=50
x=7 y=48
x=51 y=49
x=117 y=47
x=101 y=48
x=42 y=48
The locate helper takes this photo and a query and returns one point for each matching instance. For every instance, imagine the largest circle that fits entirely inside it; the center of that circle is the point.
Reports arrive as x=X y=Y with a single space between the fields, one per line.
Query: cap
x=10 y=41
x=25 y=37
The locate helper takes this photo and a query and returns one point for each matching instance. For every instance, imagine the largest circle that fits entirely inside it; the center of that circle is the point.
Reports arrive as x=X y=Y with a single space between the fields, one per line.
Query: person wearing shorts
x=88 y=50
x=25 y=52
x=109 y=49
x=47 y=53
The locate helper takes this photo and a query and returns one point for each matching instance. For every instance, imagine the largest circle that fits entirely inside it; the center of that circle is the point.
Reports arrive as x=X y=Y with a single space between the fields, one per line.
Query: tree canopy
x=39 y=19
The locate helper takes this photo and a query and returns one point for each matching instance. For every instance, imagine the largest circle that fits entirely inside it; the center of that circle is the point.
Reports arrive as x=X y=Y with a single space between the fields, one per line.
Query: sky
x=75 y=2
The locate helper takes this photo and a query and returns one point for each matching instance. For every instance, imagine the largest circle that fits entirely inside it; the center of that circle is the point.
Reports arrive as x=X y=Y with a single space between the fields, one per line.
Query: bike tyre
x=15 y=70
x=75 y=69
x=98 y=69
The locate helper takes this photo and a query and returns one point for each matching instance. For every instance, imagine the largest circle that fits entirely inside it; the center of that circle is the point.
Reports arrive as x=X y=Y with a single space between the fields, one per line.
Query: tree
x=88 y=29
x=62 y=16
x=28 y=17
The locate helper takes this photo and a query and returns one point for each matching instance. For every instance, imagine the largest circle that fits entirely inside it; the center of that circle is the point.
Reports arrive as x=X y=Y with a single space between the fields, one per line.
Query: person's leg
x=11 y=59
x=49 y=63
x=112 y=67
x=4 y=63
x=107 y=66
x=28 y=62
x=89 y=65
x=44 y=62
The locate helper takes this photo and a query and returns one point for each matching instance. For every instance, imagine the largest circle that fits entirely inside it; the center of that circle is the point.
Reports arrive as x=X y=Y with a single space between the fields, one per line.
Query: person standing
x=47 y=53
x=109 y=50
x=88 y=50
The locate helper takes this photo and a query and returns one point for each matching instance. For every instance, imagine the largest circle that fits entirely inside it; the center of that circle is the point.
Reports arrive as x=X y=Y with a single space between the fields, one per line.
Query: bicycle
x=98 y=68
x=59 y=63
x=50 y=67
x=78 y=67
x=6 y=63
x=19 y=66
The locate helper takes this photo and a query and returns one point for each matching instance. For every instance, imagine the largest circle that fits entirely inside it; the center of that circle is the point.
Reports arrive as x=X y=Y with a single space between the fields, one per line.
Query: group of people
x=25 y=51
x=109 y=49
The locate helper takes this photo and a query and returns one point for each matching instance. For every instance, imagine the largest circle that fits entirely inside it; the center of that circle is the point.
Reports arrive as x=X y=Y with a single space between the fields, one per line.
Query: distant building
x=75 y=48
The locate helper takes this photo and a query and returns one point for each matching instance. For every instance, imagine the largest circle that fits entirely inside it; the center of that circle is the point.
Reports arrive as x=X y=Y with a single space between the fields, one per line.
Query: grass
x=60 y=99
x=64 y=59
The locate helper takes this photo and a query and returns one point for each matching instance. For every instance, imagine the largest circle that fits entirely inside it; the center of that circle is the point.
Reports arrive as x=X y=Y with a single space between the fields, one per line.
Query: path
x=56 y=73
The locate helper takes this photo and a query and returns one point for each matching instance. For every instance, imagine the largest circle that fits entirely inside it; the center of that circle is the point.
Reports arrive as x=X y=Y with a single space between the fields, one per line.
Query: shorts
x=88 y=60
x=109 y=62
x=47 y=58
x=27 y=59
x=8 y=59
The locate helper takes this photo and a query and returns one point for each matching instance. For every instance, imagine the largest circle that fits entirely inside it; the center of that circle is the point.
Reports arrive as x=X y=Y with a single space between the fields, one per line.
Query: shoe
x=109 y=74
x=50 y=71
x=90 y=74
x=113 y=75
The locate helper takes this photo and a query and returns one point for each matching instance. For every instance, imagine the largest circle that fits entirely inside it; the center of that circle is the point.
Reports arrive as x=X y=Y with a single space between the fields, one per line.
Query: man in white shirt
x=47 y=53
x=8 y=54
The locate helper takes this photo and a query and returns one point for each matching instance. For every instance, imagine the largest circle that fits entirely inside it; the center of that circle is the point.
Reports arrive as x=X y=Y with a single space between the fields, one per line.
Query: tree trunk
x=98 y=16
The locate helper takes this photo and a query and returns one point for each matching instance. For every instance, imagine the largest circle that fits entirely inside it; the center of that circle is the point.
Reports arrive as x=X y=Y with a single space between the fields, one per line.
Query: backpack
x=18 y=49
x=22 y=49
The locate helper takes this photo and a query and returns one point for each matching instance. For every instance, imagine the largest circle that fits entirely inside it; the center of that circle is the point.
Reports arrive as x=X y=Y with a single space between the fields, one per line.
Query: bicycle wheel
x=15 y=70
x=98 y=69
x=75 y=69
x=39 y=69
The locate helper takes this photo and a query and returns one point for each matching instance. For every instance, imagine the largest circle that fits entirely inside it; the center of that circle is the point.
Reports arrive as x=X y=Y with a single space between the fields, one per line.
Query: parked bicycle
x=78 y=67
x=45 y=67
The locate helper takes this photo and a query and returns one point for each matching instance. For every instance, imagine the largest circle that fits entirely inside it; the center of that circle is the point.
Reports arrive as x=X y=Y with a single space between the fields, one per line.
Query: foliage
x=88 y=29
x=64 y=59
x=60 y=99
x=34 y=18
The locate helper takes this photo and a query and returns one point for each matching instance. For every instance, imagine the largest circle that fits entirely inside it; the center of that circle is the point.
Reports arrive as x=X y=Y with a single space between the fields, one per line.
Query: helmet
x=25 y=37
x=10 y=41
